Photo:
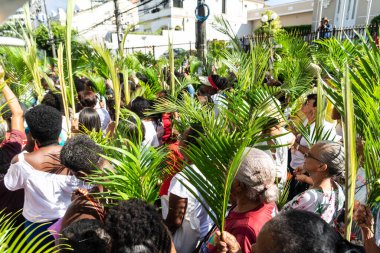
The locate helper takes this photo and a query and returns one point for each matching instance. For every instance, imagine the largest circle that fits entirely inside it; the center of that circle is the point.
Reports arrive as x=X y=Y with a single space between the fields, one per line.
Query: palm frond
x=65 y=96
x=350 y=151
x=14 y=238
x=69 y=19
x=171 y=68
x=111 y=68
x=136 y=169
x=223 y=26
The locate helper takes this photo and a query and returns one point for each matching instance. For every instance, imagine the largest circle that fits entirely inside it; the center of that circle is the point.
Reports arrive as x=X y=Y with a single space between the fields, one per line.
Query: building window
x=224 y=6
x=178 y=3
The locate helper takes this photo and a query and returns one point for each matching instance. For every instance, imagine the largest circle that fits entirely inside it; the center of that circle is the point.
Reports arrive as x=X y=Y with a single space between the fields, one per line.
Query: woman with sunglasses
x=324 y=163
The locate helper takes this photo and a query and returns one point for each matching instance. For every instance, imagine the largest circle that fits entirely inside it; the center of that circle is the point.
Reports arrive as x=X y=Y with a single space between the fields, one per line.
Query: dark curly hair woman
x=47 y=184
x=136 y=227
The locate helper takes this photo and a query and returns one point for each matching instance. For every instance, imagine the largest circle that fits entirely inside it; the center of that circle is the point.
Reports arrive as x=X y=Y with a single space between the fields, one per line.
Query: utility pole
x=200 y=31
x=50 y=34
x=117 y=21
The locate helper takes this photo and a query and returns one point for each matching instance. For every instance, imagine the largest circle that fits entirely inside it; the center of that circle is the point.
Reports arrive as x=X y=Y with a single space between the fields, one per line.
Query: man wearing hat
x=325 y=29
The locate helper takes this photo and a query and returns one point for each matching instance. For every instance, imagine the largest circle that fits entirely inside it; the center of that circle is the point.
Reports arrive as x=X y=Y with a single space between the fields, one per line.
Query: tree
x=375 y=20
x=42 y=36
x=11 y=30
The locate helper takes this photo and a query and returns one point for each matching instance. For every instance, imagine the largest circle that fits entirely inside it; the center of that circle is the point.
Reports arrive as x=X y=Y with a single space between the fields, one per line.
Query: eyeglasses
x=308 y=155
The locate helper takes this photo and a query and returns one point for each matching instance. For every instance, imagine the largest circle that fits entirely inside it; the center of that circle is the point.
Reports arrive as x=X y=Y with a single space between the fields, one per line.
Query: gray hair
x=257 y=172
x=3 y=130
x=332 y=154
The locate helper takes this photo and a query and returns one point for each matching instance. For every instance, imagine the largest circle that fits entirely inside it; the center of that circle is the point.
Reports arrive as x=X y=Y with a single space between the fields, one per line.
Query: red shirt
x=167 y=123
x=246 y=226
x=175 y=158
x=10 y=147
x=11 y=201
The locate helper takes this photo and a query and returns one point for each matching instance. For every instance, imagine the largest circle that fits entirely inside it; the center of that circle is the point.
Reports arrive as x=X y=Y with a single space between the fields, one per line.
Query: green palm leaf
x=136 y=169
x=14 y=239
x=350 y=151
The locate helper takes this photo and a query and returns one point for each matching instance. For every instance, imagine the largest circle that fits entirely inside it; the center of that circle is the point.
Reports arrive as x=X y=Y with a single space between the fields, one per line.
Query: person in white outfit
x=186 y=217
x=153 y=130
x=47 y=184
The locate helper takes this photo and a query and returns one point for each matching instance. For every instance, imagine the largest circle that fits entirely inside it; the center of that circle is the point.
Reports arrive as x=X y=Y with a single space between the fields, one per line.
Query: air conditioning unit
x=155 y=10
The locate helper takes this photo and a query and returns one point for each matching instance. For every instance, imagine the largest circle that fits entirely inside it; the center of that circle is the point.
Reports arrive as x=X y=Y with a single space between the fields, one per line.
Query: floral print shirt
x=328 y=205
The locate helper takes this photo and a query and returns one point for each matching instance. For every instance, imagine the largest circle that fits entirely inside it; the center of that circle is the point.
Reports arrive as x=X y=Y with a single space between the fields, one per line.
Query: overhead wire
x=120 y=13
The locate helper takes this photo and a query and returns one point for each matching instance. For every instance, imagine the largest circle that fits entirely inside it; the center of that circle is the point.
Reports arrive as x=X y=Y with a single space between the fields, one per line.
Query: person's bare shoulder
x=14 y=159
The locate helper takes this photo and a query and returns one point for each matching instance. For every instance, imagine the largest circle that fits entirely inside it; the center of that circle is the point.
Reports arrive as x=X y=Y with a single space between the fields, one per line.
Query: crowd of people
x=44 y=174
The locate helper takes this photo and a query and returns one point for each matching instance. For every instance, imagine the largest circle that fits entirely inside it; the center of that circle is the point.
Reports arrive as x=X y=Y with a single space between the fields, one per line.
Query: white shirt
x=150 y=138
x=218 y=99
x=47 y=195
x=197 y=222
x=298 y=158
x=105 y=118
x=281 y=154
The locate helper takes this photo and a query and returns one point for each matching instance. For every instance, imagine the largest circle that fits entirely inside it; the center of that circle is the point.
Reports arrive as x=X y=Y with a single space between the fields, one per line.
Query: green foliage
x=249 y=67
x=136 y=169
x=275 y=25
x=153 y=84
x=294 y=66
x=14 y=238
x=9 y=29
x=297 y=28
x=375 y=20
x=363 y=73
x=220 y=149
x=59 y=33
x=146 y=60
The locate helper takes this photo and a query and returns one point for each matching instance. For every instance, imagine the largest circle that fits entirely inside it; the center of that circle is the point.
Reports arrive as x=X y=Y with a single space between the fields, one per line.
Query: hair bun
x=270 y=193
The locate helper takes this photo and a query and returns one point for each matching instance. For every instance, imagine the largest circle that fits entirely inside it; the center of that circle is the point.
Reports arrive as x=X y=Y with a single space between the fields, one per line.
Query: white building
x=180 y=15
x=345 y=13
x=291 y=14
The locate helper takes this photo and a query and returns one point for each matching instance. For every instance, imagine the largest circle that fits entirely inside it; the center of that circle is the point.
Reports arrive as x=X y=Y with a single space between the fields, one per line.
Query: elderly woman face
x=313 y=162
x=325 y=157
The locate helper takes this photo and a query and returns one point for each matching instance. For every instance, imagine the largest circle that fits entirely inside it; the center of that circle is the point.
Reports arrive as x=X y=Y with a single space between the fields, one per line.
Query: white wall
x=236 y=14
x=159 y=41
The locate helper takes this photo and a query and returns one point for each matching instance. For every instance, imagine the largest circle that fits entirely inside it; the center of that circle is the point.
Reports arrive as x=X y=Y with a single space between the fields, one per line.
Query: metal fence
x=158 y=50
x=309 y=36
x=305 y=34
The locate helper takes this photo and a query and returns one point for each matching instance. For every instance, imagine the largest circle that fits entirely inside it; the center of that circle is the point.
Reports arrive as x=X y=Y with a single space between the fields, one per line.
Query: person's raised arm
x=363 y=216
x=14 y=106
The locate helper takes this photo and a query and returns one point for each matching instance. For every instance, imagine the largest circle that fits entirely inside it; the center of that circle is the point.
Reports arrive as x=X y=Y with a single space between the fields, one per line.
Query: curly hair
x=45 y=124
x=53 y=99
x=86 y=236
x=81 y=154
x=298 y=231
x=257 y=172
x=136 y=227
